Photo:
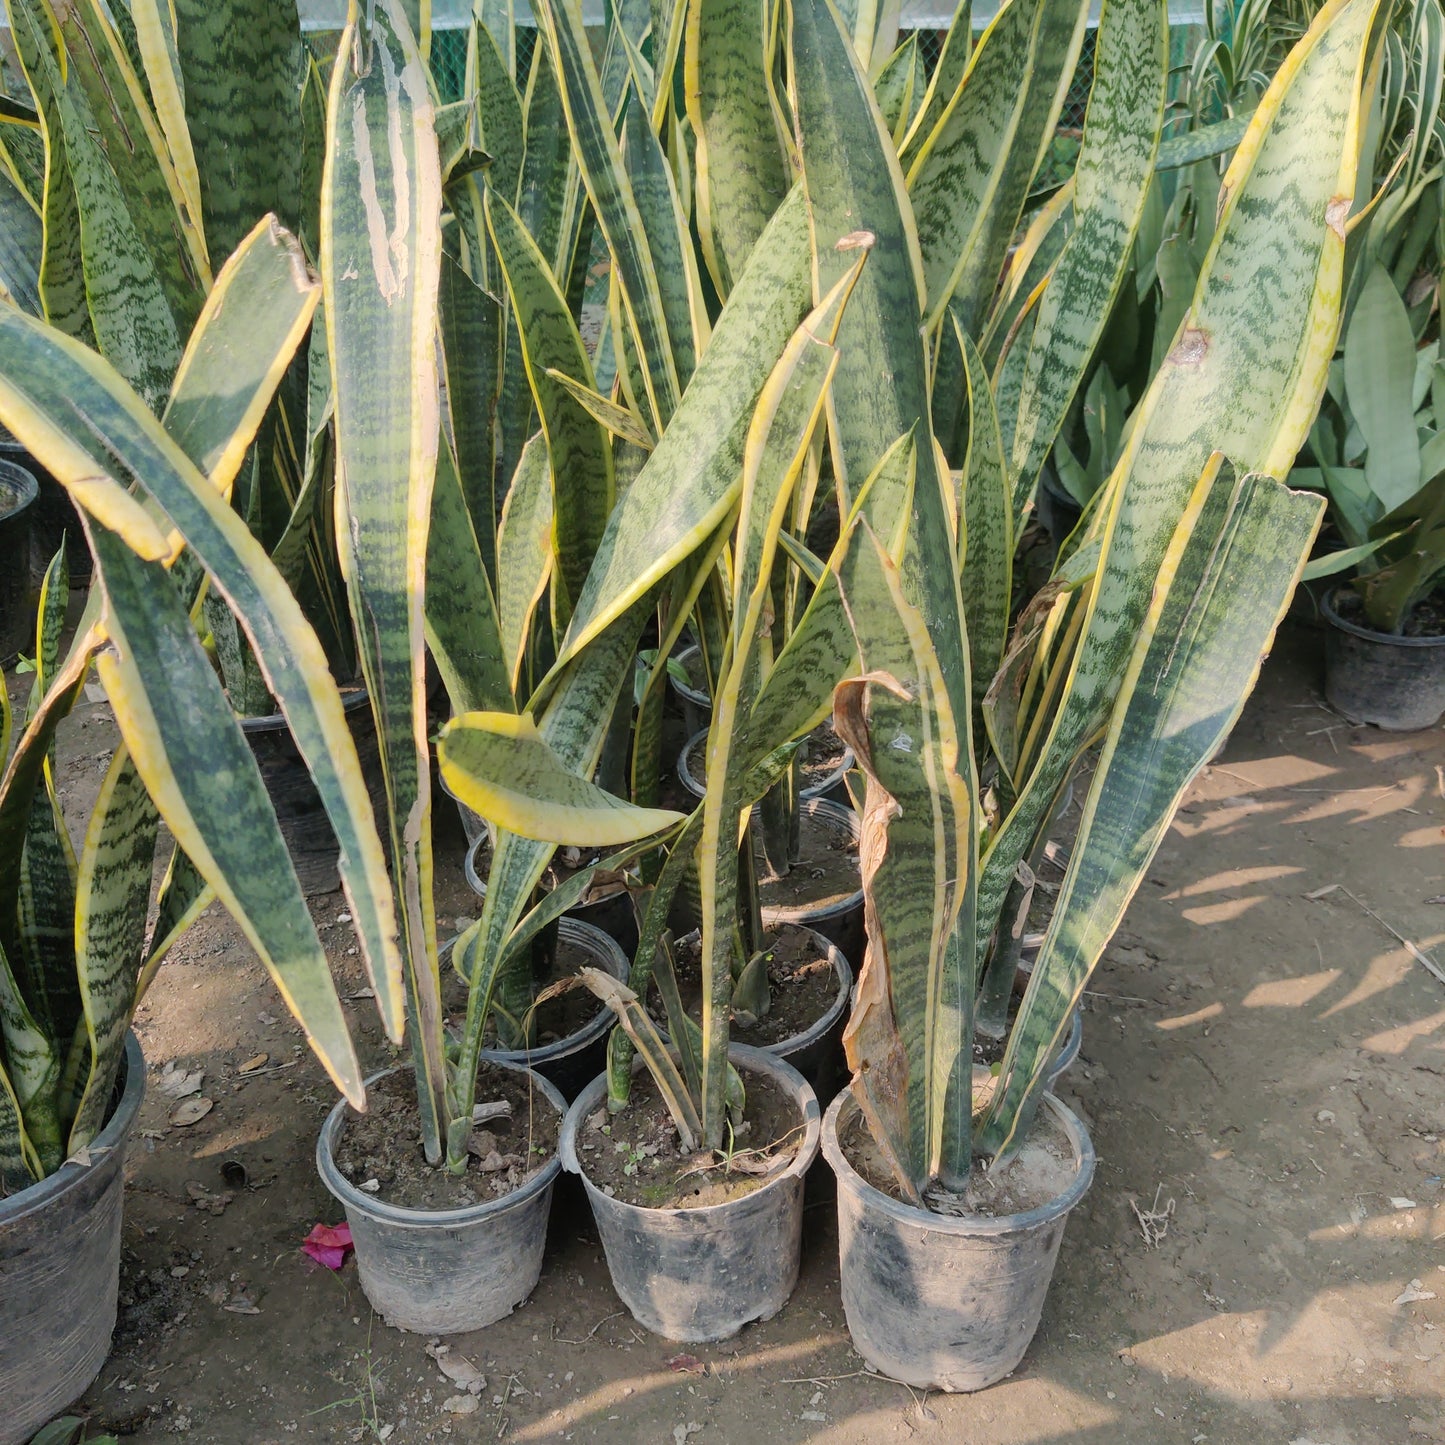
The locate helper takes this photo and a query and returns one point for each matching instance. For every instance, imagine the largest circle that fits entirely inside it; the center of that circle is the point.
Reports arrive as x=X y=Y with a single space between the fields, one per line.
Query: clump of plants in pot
x=954 y=1183
x=1380 y=453
x=709 y=1142
x=73 y=960
x=76 y=957
x=1377 y=448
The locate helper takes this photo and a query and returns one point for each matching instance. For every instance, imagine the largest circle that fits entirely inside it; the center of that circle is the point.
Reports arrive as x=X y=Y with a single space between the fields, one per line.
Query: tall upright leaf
x=1244 y=377
x=380 y=266
x=1111 y=181
x=742 y=173
x=1226 y=580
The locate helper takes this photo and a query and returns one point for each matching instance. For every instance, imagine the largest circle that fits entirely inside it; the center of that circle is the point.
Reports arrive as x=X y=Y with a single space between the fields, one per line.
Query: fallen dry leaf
x=686 y=1364
x=180 y=1083
x=256 y=1061
x=189 y=1111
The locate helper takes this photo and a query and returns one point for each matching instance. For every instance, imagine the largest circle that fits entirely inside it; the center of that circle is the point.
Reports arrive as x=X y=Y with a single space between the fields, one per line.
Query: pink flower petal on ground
x=328 y=1244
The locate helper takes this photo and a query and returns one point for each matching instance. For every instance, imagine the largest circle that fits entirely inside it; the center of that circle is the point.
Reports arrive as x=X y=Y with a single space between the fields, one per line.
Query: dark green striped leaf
x=197 y=766
x=112 y=893
x=970 y=177
x=380 y=268
x=691 y=480
x=1111 y=181
x=1228 y=577
x=742 y=173
x=579 y=451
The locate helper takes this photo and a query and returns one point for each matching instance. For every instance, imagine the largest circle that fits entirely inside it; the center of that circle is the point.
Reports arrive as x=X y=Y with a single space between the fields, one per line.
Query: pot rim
x=26 y=483
x=606 y=951
x=968 y=1224
x=353 y=696
x=685 y=689
x=818 y=791
x=747 y=1059
x=399 y=1215
x=112 y=1137
x=1368 y=634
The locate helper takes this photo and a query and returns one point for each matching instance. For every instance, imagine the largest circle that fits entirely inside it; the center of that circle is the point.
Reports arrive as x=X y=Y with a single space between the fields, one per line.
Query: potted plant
x=1160 y=619
x=1379 y=455
x=76 y=956
x=1376 y=449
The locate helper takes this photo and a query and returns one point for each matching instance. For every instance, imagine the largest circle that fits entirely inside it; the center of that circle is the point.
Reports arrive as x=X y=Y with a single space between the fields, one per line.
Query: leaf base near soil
x=384 y=1144
x=634 y=1155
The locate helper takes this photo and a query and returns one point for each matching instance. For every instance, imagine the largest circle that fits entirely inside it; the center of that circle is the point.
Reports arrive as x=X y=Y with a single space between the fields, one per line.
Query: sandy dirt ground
x=1263 y=1072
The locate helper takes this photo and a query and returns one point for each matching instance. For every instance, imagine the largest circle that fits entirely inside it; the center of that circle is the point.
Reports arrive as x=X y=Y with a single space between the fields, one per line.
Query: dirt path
x=1266 y=1067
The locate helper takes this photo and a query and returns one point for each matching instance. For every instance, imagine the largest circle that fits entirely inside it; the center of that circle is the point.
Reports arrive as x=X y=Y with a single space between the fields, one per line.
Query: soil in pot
x=1426 y=619
x=1041 y=1171
x=825 y=873
x=635 y=1155
x=506 y=1150
x=801 y=981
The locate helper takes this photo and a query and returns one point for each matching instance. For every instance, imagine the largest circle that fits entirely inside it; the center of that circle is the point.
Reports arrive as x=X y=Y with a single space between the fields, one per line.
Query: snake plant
x=74 y=953
x=152 y=140
x=1376 y=449
x=935 y=432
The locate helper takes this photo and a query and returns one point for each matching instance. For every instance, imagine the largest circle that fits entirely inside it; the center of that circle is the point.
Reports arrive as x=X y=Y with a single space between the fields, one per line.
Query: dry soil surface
x=1263 y=1072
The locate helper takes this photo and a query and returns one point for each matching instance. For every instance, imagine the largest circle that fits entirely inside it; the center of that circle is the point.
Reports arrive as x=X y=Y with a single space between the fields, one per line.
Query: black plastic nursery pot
x=18 y=491
x=817 y=1052
x=55 y=518
x=60 y=1272
x=694 y=704
x=299 y=809
x=695 y=1275
x=939 y=1301
x=570 y=1063
x=445 y=1271
x=611 y=914
x=1395 y=683
x=841 y=921
x=693 y=776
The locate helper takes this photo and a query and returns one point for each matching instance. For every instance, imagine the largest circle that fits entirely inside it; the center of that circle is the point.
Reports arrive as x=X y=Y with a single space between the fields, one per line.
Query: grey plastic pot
x=1395 y=683
x=944 y=1302
x=569 y=1063
x=701 y=1274
x=696 y=705
x=833 y=788
x=444 y=1271
x=60 y=1272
